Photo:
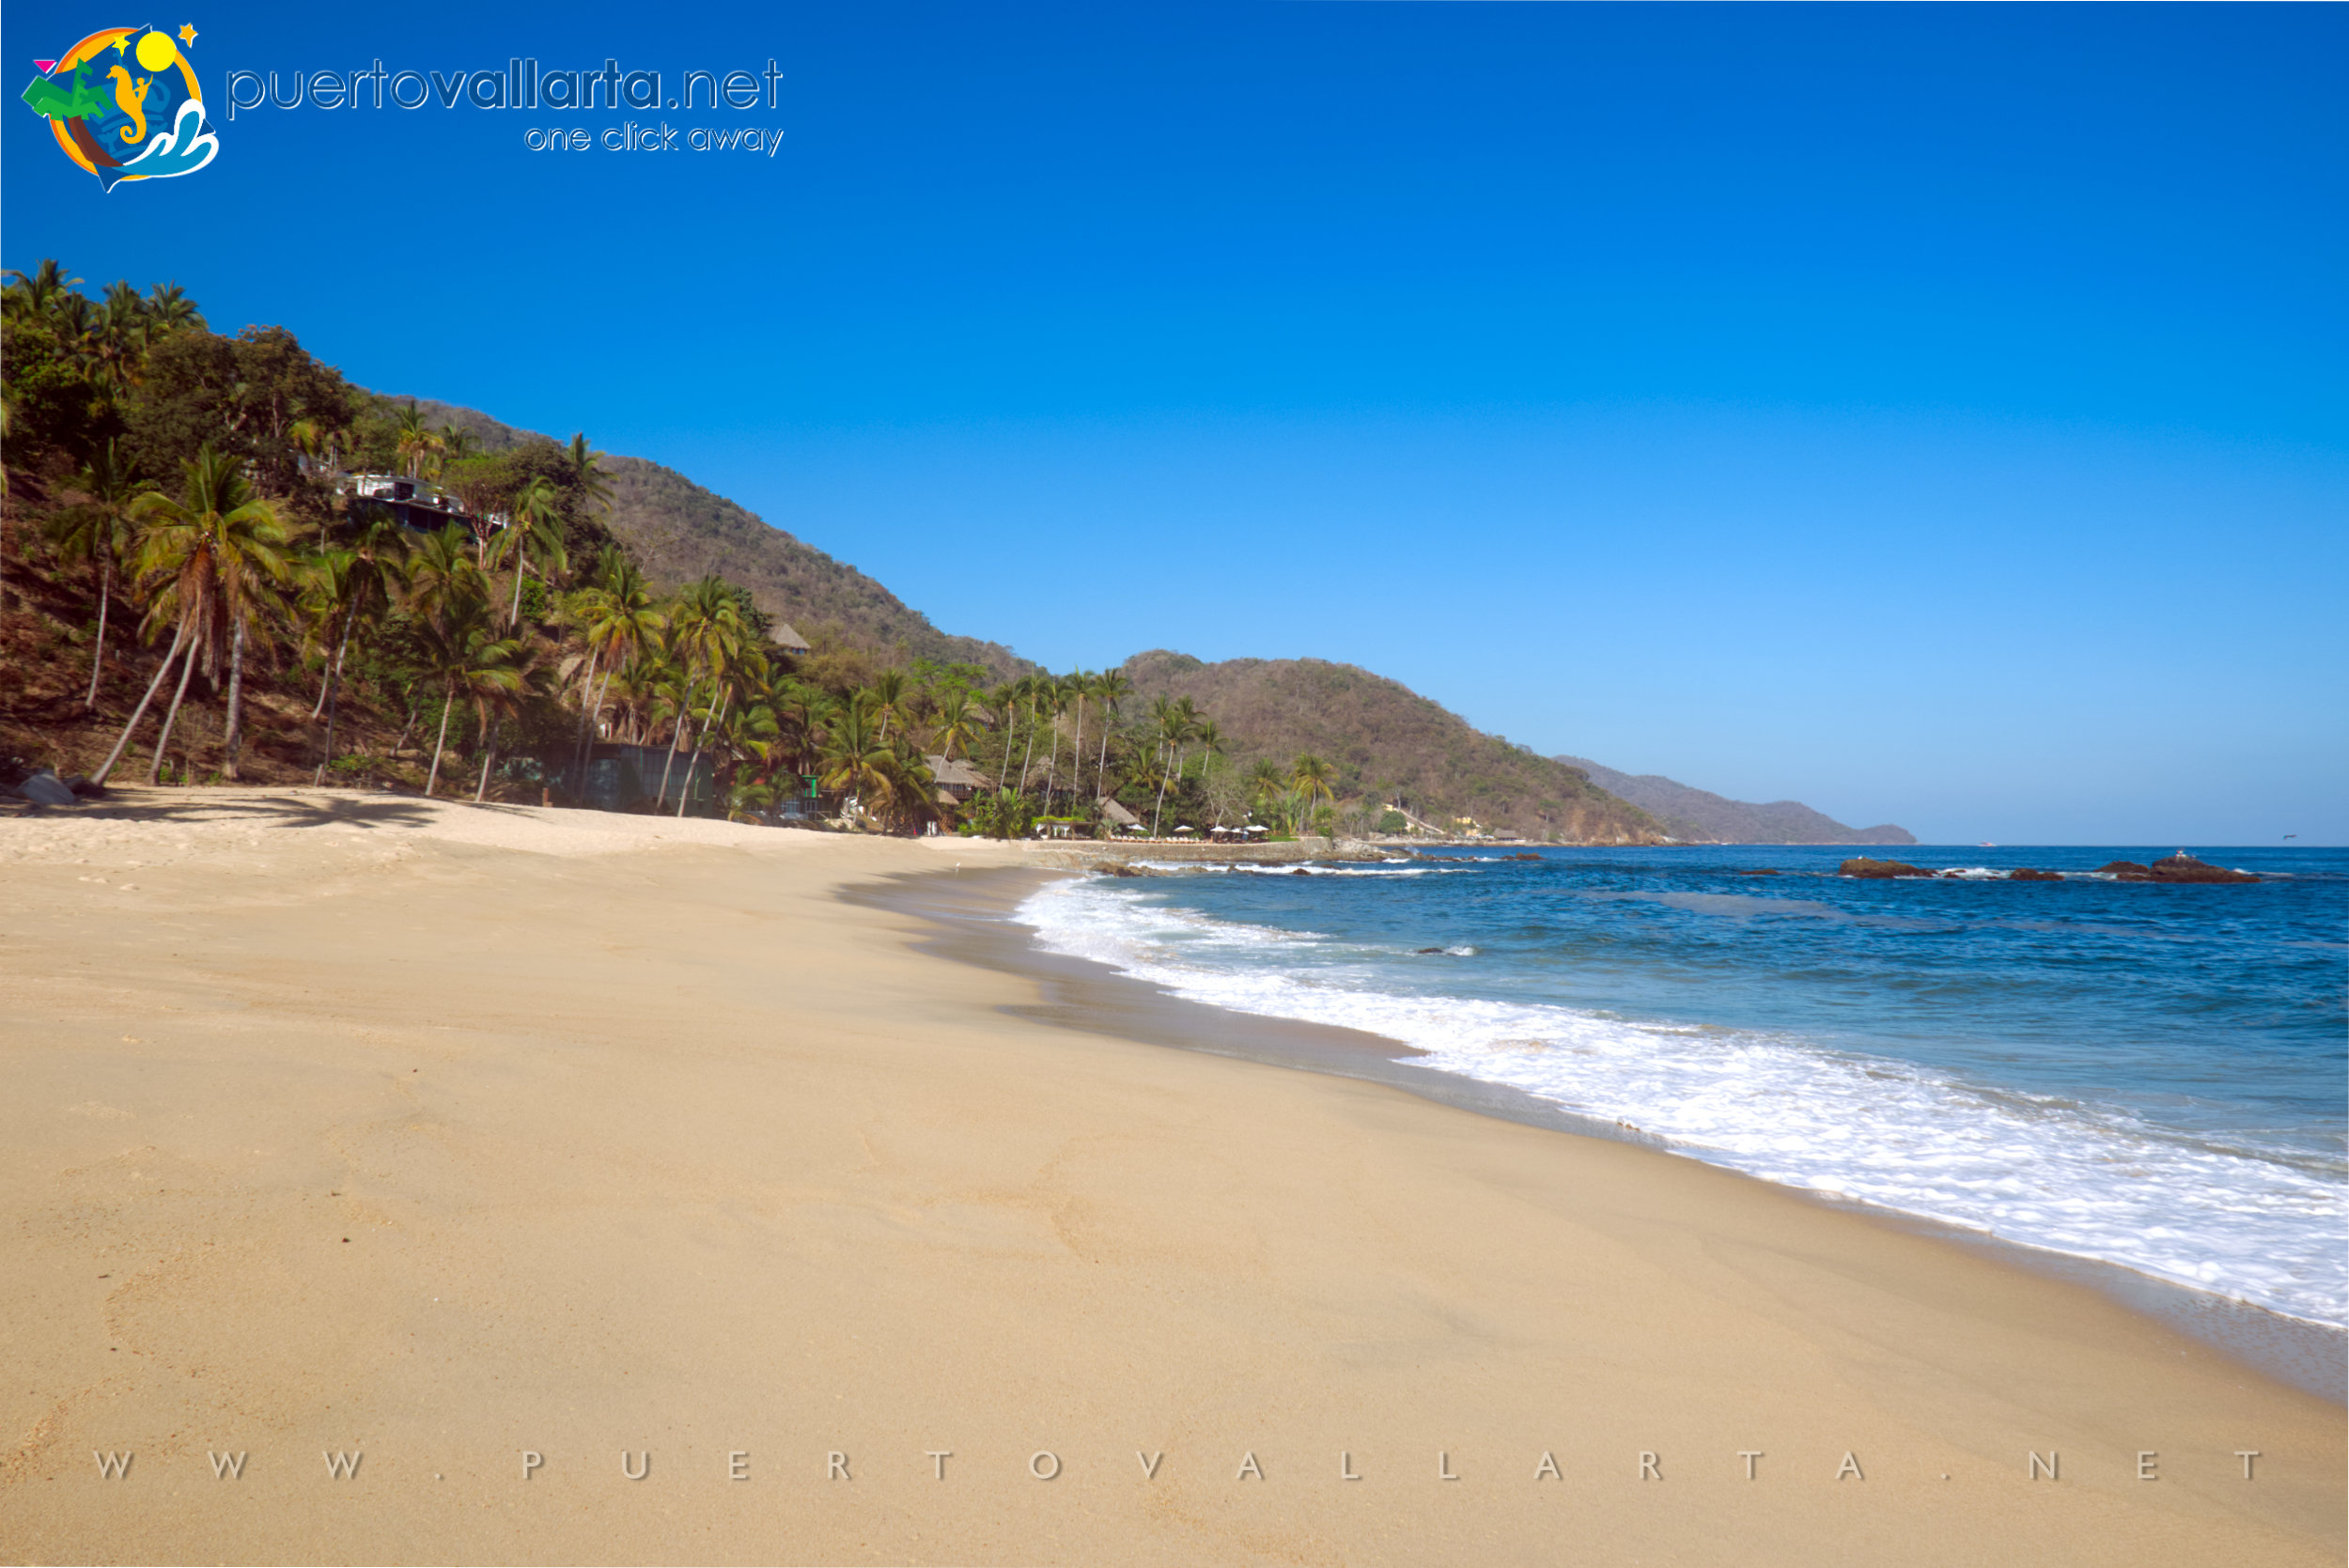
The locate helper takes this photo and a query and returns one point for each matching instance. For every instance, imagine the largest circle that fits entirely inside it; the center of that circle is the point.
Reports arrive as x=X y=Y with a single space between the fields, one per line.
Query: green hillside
x=679 y=531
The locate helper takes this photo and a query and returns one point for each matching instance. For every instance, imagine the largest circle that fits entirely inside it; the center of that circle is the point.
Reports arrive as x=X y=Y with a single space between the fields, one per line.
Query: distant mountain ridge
x=1701 y=815
x=1386 y=741
x=679 y=531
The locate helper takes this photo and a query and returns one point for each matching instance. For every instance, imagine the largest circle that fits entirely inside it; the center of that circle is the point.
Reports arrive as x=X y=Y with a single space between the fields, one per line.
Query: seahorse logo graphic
x=151 y=126
x=131 y=97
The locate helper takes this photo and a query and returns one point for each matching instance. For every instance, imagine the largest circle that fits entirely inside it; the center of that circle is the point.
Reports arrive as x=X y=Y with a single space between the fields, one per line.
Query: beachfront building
x=1118 y=819
x=956 y=781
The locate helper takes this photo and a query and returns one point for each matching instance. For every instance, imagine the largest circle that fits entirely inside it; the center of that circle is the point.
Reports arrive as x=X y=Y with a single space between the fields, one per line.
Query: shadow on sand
x=269 y=808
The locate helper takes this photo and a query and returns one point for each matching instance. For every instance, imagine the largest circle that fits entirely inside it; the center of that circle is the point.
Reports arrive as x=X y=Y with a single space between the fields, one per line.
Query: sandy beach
x=541 y=1186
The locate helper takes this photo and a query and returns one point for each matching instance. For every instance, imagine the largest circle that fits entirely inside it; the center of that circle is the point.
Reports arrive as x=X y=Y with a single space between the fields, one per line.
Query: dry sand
x=340 y=1124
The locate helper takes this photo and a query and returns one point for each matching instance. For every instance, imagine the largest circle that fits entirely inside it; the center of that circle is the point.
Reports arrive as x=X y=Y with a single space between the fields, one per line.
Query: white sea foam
x=2262 y=1225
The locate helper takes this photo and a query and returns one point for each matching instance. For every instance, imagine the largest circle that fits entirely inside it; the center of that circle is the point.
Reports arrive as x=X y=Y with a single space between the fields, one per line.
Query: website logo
x=124 y=103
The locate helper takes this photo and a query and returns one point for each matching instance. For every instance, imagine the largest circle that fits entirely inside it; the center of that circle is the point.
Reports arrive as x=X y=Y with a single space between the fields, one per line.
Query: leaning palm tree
x=100 y=528
x=212 y=560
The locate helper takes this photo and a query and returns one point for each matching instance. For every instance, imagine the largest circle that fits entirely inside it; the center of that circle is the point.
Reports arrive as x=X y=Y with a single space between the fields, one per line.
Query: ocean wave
x=2261 y=1224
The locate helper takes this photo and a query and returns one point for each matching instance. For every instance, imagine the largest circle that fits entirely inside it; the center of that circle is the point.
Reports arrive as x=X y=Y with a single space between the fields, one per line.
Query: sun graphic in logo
x=124 y=103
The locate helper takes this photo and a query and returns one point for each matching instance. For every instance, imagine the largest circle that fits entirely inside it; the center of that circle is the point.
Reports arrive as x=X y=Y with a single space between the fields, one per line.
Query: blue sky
x=1934 y=414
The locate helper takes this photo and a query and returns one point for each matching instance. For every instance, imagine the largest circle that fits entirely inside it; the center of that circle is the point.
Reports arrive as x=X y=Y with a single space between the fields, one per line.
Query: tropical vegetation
x=220 y=560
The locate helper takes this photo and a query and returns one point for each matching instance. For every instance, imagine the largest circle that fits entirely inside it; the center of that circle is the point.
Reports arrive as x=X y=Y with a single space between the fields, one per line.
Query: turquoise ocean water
x=2151 y=1075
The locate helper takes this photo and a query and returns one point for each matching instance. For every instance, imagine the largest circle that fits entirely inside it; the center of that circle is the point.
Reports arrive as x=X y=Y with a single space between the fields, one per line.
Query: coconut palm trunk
x=233 y=740
x=332 y=704
x=686 y=789
x=1028 y=755
x=140 y=712
x=488 y=749
x=1052 y=762
x=586 y=717
x=685 y=715
x=98 y=657
x=187 y=668
x=448 y=701
x=335 y=671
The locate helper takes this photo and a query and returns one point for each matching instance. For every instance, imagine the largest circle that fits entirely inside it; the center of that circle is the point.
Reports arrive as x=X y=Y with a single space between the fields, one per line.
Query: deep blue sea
x=2148 y=1075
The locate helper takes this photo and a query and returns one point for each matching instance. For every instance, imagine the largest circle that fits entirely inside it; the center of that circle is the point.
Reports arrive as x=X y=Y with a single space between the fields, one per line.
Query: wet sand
x=655 y=1153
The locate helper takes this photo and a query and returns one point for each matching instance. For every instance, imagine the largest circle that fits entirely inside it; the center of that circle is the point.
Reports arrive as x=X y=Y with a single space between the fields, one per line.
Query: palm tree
x=414 y=440
x=441 y=574
x=465 y=652
x=889 y=698
x=1029 y=688
x=380 y=550
x=1174 y=727
x=957 y=723
x=36 y=292
x=595 y=485
x=618 y=618
x=1000 y=701
x=706 y=632
x=1264 y=783
x=331 y=583
x=100 y=528
x=1057 y=692
x=1112 y=687
x=853 y=759
x=536 y=528
x=214 y=558
x=168 y=309
x=1311 y=776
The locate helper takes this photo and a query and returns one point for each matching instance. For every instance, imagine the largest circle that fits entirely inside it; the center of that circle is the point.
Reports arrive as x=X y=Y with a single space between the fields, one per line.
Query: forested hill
x=1701 y=815
x=1386 y=742
x=679 y=532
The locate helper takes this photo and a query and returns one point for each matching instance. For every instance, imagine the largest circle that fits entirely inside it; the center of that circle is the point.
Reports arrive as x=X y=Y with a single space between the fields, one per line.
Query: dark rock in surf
x=2026 y=874
x=1861 y=865
x=2180 y=867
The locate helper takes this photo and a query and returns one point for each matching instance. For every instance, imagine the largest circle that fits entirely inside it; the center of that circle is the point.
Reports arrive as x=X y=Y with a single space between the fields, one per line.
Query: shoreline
x=973 y=917
x=458 y=1139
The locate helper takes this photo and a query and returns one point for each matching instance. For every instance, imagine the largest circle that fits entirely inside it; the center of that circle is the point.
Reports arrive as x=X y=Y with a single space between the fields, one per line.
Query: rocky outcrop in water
x=1861 y=865
x=2180 y=867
